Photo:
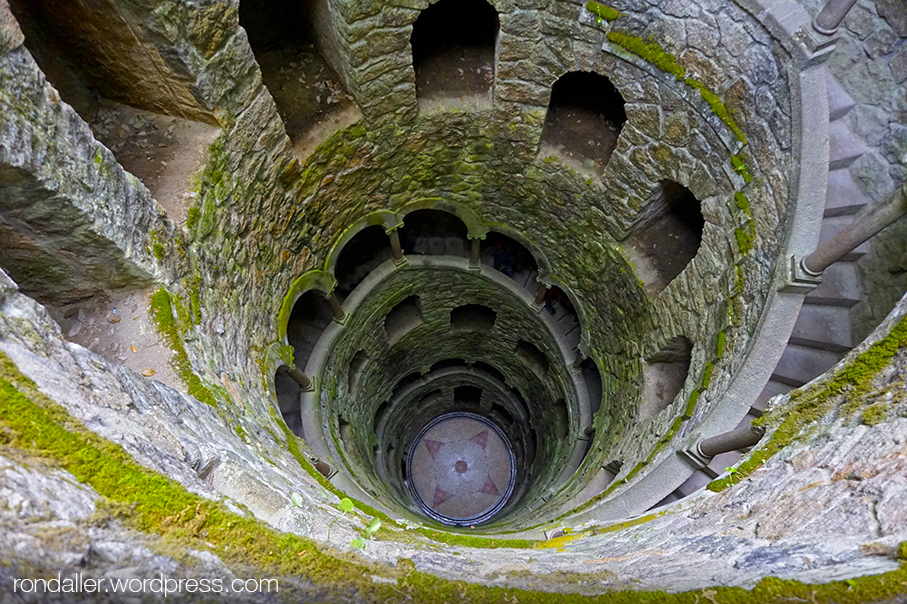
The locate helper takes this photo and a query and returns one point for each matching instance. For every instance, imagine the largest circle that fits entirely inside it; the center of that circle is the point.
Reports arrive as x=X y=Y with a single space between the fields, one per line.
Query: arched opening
x=403 y=318
x=453 y=44
x=357 y=366
x=666 y=235
x=585 y=117
x=447 y=363
x=288 y=391
x=467 y=396
x=534 y=358
x=412 y=378
x=311 y=315
x=382 y=410
x=368 y=248
x=664 y=374
x=510 y=257
x=559 y=305
x=593 y=380
x=492 y=371
x=472 y=317
x=433 y=232
x=293 y=42
x=562 y=419
x=502 y=412
x=91 y=53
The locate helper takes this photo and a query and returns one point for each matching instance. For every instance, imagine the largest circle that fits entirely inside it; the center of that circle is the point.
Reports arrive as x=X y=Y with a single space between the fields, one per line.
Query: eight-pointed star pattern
x=461 y=468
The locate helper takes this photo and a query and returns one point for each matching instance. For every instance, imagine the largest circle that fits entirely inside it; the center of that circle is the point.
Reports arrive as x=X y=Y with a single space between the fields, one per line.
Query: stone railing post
x=806 y=273
x=865 y=225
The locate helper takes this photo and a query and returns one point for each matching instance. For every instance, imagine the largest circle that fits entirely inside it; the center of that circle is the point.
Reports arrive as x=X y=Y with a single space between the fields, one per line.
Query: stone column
x=298 y=376
x=396 y=250
x=730 y=441
x=540 y=294
x=337 y=309
x=475 y=252
x=831 y=16
x=866 y=223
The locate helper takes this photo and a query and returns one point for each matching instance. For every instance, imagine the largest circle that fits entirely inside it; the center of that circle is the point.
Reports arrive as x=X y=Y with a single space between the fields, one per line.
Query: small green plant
x=729 y=479
x=373 y=526
x=296 y=498
x=345 y=505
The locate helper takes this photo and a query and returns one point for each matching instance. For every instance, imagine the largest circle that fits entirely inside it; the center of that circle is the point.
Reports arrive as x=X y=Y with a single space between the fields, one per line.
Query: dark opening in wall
x=510 y=257
x=453 y=45
x=447 y=363
x=533 y=357
x=361 y=255
x=585 y=117
x=311 y=315
x=559 y=305
x=593 y=379
x=433 y=232
x=357 y=365
x=664 y=374
x=472 y=317
x=403 y=318
x=666 y=236
x=411 y=378
x=562 y=419
x=155 y=131
x=288 y=391
x=295 y=45
x=503 y=413
x=492 y=371
x=382 y=410
x=467 y=395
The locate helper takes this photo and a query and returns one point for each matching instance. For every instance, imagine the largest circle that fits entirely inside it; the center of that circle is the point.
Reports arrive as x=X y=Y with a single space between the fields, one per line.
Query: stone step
x=844 y=146
x=841 y=286
x=800 y=364
x=771 y=390
x=823 y=327
x=839 y=102
x=844 y=196
x=832 y=226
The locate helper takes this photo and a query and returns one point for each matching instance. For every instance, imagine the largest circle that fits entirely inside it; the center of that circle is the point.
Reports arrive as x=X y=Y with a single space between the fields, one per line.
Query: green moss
x=742 y=202
x=650 y=51
x=158 y=251
x=875 y=414
x=460 y=539
x=807 y=406
x=162 y=313
x=691 y=404
x=152 y=503
x=653 y=53
x=722 y=342
x=603 y=11
x=740 y=168
x=192 y=217
x=718 y=109
x=707 y=374
x=746 y=237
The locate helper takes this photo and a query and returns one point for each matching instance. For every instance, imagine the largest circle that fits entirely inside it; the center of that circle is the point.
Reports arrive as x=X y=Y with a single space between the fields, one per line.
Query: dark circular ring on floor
x=461 y=469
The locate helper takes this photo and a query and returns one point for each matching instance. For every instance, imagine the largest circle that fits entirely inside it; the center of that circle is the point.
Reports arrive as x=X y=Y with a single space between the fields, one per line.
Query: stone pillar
x=475 y=252
x=298 y=376
x=730 y=441
x=831 y=16
x=396 y=249
x=540 y=294
x=337 y=309
x=866 y=223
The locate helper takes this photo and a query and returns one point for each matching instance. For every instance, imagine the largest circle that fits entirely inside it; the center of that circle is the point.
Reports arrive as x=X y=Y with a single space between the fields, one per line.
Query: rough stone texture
x=826 y=507
x=73 y=221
